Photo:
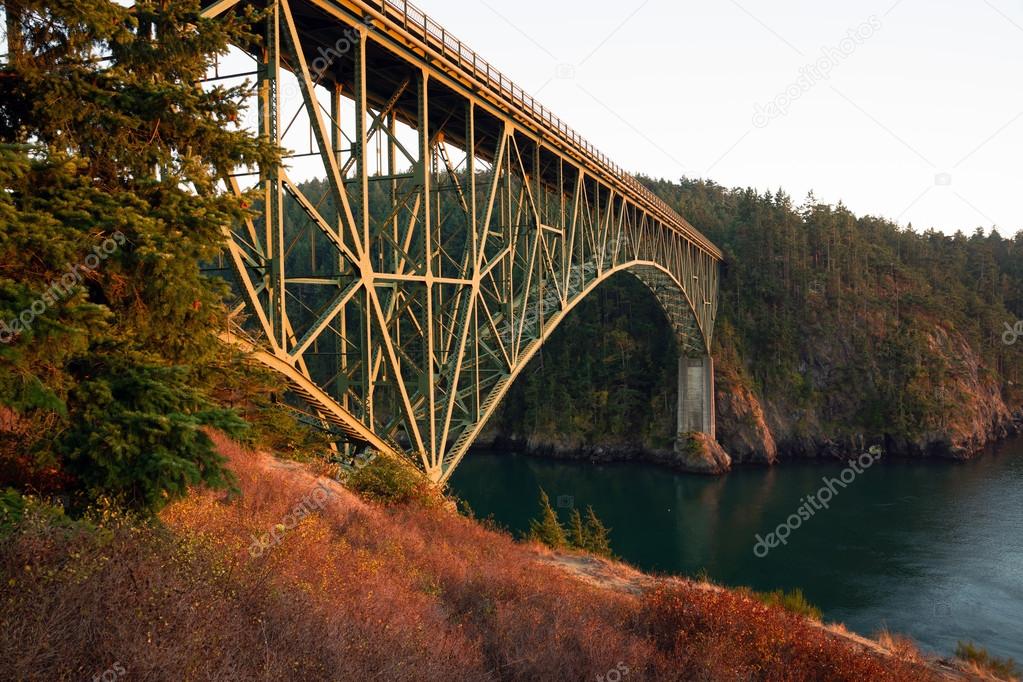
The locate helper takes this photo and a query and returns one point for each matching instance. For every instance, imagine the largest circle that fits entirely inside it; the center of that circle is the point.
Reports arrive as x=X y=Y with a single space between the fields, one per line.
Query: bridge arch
x=458 y=222
x=695 y=392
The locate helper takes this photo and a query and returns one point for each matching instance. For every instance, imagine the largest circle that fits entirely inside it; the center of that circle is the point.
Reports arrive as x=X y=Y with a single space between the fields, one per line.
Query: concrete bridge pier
x=696 y=395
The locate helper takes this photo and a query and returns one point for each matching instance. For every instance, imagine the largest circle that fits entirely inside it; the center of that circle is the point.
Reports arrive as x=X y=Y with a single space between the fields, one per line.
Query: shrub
x=391 y=482
x=792 y=601
x=576 y=530
x=718 y=634
x=589 y=535
x=357 y=592
x=12 y=509
x=16 y=508
x=1004 y=668
x=900 y=645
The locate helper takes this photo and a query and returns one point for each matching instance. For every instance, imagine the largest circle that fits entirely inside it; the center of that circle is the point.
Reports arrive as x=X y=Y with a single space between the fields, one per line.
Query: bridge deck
x=403 y=31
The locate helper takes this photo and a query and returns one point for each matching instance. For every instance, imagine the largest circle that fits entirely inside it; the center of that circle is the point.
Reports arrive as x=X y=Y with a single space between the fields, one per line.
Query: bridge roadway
x=444 y=278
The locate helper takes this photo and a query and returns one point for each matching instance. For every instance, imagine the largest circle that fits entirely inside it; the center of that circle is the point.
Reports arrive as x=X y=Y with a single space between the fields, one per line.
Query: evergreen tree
x=110 y=157
x=576 y=533
x=598 y=537
x=547 y=529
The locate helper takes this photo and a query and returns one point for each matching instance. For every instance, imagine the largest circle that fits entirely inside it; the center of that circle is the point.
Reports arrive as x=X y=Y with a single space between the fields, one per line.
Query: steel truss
x=453 y=250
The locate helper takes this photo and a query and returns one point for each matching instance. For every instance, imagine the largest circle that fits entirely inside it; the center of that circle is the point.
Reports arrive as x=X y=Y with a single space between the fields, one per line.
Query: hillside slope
x=297 y=578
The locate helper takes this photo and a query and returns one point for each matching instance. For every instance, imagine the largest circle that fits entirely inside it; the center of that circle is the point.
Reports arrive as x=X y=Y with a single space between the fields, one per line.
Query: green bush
x=389 y=481
x=12 y=509
x=17 y=511
x=589 y=534
x=793 y=601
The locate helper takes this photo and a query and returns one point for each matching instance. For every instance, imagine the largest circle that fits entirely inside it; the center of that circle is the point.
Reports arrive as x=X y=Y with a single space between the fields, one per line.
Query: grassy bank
x=296 y=577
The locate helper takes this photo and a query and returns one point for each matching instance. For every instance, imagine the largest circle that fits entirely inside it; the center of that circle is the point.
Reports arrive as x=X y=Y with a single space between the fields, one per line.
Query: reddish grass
x=365 y=593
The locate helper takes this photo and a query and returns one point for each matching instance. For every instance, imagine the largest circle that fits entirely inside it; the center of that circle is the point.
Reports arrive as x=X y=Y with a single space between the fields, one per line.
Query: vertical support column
x=362 y=224
x=696 y=395
x=478 y=235
x=269 y=127
x=338 y=266
x=339 y=262
x=391 y=264
x=428 y=385
x=709 y=409
x=508 y=233
x=362 y=145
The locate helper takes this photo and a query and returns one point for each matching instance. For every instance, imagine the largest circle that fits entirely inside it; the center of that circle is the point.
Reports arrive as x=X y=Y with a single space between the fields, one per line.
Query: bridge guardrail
x=414 y=19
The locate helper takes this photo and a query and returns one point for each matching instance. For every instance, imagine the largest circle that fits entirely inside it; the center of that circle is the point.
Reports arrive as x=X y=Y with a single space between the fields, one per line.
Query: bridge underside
x=457 y=224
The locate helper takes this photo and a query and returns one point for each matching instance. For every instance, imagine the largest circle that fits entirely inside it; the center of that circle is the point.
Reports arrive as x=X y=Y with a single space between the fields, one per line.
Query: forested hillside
x=833 y=330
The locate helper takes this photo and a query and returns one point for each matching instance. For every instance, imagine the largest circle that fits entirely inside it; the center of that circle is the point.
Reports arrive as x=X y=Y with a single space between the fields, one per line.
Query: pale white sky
x=920 y=119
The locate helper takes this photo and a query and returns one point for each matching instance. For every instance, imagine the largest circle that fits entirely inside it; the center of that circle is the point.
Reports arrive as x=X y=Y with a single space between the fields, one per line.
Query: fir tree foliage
x=547 y=529
x=596 y=537
x=109 y=148
x=576 y=530
x=588 y=535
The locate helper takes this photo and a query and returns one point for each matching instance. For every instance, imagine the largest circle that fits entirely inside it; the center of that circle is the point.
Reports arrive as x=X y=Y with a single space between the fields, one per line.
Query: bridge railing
x=414 y=20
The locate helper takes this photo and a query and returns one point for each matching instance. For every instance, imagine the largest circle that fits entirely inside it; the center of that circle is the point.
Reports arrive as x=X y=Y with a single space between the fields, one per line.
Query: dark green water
x=933 y=550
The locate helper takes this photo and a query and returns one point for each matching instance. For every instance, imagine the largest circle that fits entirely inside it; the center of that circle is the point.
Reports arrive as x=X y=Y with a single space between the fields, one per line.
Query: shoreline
x=827 y=451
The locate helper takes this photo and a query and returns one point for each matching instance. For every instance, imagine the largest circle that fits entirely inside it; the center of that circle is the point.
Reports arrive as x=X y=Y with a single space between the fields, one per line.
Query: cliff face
x=968 y=411
x=742 y=427
x=956 y=402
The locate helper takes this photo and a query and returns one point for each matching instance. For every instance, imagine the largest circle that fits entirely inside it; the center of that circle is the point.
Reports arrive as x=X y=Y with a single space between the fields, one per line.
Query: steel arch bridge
x=459 y=223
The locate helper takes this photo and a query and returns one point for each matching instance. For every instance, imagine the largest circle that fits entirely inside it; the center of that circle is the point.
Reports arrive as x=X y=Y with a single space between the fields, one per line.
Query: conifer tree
x=110 y=156
x=547 y=529
x=598 y=540
x=576 y=532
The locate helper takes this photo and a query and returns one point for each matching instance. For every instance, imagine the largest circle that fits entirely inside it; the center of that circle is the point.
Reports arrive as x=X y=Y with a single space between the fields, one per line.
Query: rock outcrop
x=742 y=426
x=700 y=454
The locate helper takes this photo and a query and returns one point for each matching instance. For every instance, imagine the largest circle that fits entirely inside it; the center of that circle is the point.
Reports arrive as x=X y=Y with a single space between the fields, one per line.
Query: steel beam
x=446 y=276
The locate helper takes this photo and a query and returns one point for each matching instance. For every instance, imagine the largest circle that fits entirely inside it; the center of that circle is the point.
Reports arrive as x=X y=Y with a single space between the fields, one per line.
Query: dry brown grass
x=899 y=645
x=982 y=673
x=360 y=592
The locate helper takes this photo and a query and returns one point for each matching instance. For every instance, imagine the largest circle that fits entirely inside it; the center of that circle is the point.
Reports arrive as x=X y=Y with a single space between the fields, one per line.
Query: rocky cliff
x=965 y=410
x=970 y=410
